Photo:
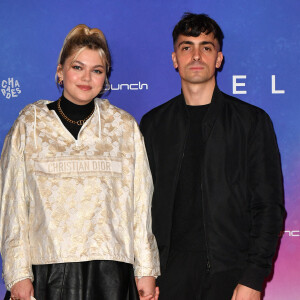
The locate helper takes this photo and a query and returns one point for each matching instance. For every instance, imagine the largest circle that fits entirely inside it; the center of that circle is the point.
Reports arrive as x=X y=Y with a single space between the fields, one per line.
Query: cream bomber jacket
x=67 y=200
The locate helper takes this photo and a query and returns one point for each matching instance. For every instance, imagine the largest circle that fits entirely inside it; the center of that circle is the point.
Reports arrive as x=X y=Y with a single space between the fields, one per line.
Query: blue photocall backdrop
x=261 y=49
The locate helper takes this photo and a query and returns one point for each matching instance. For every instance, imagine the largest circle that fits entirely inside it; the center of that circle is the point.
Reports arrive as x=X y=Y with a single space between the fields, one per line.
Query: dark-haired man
x=218 y=197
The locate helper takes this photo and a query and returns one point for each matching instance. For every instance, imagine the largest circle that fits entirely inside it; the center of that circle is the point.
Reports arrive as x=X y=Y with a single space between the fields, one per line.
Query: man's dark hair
x=195 y=24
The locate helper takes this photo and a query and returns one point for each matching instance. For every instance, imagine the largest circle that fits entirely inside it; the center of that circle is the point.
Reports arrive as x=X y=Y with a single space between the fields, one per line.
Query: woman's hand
x=22 y=290
x=146 y=288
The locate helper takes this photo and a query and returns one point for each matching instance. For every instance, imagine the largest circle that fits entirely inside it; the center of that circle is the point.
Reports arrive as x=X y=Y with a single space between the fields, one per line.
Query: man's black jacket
x=241 y=182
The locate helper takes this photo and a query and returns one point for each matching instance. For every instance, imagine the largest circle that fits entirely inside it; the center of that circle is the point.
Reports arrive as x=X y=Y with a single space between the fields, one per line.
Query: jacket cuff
x=10 y=285
x=254 y=277
x=140 y=271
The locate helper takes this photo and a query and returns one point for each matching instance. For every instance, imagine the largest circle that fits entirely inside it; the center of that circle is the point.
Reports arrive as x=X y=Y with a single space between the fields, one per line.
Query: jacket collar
x=212 y=113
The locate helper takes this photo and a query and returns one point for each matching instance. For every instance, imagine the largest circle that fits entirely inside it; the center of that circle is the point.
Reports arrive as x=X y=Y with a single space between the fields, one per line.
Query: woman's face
x=83 y=77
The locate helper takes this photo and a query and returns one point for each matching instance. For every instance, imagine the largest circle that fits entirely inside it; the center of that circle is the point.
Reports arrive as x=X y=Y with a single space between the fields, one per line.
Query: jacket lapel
x=212 y=113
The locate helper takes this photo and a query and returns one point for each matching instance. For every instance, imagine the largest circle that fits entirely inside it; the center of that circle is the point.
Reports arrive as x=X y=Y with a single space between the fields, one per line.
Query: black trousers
x=187 y=278
x=92 y=280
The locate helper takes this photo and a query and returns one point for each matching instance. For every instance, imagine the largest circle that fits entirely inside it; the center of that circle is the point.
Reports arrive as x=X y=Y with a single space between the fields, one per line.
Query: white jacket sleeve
x=145 y=247
x=14 y=209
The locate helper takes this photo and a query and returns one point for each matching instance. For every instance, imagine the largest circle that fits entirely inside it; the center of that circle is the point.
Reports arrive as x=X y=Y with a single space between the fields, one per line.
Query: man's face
x=196 y=58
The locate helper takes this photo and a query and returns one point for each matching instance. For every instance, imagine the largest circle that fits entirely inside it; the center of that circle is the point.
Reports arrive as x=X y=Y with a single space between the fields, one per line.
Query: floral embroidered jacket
x=67 y=200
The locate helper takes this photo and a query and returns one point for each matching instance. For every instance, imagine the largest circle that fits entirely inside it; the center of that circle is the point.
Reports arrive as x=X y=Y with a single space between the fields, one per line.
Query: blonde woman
x=76 y=190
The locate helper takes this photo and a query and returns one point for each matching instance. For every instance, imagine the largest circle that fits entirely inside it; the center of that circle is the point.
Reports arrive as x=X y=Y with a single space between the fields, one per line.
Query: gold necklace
x=79 y=122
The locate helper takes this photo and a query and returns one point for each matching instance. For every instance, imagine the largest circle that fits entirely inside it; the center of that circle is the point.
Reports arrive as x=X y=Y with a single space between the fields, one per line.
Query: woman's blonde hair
x=83 y=37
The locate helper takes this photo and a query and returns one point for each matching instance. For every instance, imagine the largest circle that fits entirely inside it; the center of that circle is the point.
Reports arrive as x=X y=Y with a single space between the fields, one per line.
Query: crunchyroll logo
x=291 y=233
x=10 y=88
x=127 y=86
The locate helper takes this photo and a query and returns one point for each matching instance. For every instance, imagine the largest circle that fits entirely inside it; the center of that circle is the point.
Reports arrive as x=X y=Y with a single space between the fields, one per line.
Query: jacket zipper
x=179 y=167
x=208 y=266
x=183 y=149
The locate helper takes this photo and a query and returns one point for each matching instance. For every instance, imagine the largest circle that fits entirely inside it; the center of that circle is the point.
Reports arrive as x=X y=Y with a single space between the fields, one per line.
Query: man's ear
x=219 y=60
x=174 y=59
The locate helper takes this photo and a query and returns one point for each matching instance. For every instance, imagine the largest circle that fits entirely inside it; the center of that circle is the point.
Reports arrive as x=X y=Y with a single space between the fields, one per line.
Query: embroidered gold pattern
x=55 y=208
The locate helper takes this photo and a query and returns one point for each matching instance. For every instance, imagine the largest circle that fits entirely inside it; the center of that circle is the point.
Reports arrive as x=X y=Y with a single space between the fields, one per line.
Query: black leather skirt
x=91 y=280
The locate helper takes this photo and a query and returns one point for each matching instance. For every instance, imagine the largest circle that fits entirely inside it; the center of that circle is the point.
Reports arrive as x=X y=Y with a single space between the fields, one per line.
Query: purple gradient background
x=261 y=40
